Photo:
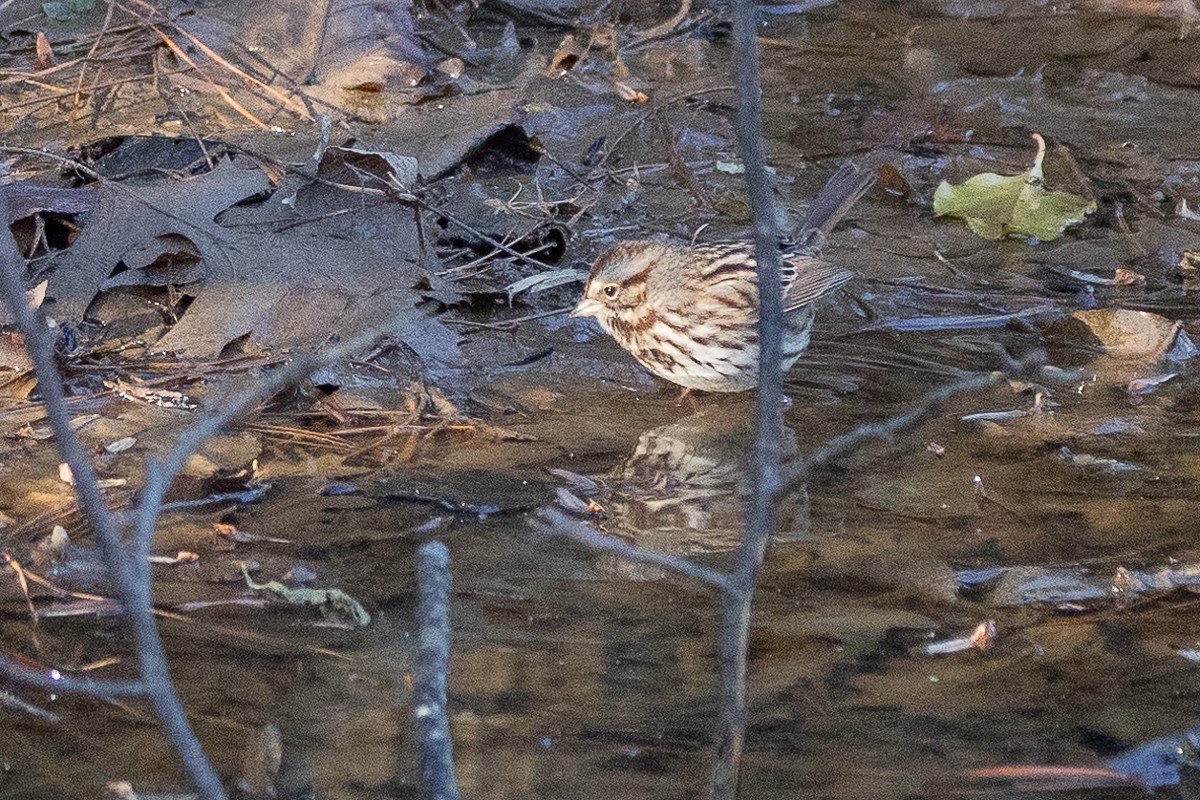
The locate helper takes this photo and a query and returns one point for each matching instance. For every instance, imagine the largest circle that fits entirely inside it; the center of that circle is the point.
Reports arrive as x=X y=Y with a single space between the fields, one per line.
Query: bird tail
x=845 y=188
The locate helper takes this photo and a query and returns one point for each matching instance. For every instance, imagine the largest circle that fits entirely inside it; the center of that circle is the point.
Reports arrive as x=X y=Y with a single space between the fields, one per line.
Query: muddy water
x=575 y=675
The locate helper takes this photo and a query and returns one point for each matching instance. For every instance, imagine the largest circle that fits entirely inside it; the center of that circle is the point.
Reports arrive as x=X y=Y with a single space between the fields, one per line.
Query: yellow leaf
x=995 y=206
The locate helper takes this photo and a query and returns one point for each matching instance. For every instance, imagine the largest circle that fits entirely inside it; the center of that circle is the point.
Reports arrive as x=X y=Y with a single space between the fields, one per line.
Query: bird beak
x=587 y=308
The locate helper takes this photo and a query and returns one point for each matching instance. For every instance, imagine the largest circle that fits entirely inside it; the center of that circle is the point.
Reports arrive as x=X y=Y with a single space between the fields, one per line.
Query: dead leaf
x=45 y=53
x=570 y=502
x=627 y=92
x=1133 y=334
x=37 y=295
x=279 y=288
x=120 y=445
x=402 y=170
x=12 y=352
x=182 y=557
x=1139 y=386
x=1127 y=277
x=980 y=638
x=543 y=281
x=232 y=533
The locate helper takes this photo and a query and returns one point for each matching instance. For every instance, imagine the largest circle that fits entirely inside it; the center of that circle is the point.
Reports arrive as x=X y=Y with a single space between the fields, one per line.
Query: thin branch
x=108 y=16
x=216 y=87
x=768 y=485
x=888 y=428
x=161 y=474
x=57 y=682
x=432 y=673
x=290 y=102
x=510 y=324
x=664 y=28
x=133 y=583
x=552 y=521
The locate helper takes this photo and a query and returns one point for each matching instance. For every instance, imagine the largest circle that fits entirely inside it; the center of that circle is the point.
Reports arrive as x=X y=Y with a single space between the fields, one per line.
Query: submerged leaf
x=333 y=603
x=1132 y=334
x=995 y=206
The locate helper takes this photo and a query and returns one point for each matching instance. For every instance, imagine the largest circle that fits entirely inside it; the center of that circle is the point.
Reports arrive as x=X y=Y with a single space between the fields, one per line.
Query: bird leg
x=686 y=394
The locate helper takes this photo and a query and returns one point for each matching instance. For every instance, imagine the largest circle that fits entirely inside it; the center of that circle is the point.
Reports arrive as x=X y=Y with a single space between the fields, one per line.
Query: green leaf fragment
x=333 y=603
x=63 y=10
x=995 y=206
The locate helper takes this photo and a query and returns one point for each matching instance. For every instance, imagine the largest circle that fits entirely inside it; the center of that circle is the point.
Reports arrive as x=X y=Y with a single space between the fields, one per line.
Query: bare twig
x=664 y=28
x=161 y=474
x=92 y=53
x=611 y=147
x=510 y=324
x=288 y=101
x=888 y=428
x=432 y=673
x=216 y=87
x=768 y=484
x=553 y=521
x=58 y=682
x=132 y=578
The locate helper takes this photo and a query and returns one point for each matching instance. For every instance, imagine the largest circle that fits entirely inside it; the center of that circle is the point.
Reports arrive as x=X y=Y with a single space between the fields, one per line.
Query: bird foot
x=686 y=396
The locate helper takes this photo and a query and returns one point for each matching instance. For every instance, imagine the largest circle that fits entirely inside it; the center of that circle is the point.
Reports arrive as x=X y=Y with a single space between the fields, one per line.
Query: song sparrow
x=690 y=314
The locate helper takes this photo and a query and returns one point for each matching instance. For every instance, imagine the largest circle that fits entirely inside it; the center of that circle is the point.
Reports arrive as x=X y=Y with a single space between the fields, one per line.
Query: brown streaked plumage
x=690 y=314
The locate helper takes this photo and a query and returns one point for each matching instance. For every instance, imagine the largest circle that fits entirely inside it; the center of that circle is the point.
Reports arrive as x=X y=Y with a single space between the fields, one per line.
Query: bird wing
x=806 y=278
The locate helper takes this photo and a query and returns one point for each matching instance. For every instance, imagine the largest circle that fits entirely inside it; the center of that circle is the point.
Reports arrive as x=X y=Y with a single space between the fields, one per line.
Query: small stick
x=432 y=672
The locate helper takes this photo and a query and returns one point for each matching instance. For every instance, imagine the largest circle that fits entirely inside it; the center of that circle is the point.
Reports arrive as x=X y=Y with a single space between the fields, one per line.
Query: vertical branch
x=133 y=584
x=433 y=668
x=760 y=520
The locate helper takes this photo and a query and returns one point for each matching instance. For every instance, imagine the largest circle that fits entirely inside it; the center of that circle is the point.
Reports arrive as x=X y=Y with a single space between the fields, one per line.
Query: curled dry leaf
x=570 y=502
x=182 y=557
x=37 y=295
x=1099 y=463
x=627 y=92
x=1127 y=277
x=543 y=281
x=60 y=540
x=232 y=533
x=980 y=638
x=452 y=67
x=120 y=445
x=569 y=53
x=1122 y=277
x=580 y=482
x=45 y=53
x=1139 y=386
x=120 y=790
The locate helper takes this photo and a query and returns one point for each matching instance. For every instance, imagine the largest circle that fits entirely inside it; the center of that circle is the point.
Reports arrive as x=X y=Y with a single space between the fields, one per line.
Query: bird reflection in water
x=685 y=487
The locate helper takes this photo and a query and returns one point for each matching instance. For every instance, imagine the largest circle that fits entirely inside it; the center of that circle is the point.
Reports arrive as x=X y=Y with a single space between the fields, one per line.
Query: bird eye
x=610 y=290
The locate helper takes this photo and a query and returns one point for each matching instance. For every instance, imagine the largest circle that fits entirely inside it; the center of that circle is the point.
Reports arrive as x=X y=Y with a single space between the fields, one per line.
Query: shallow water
x=577 y=675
